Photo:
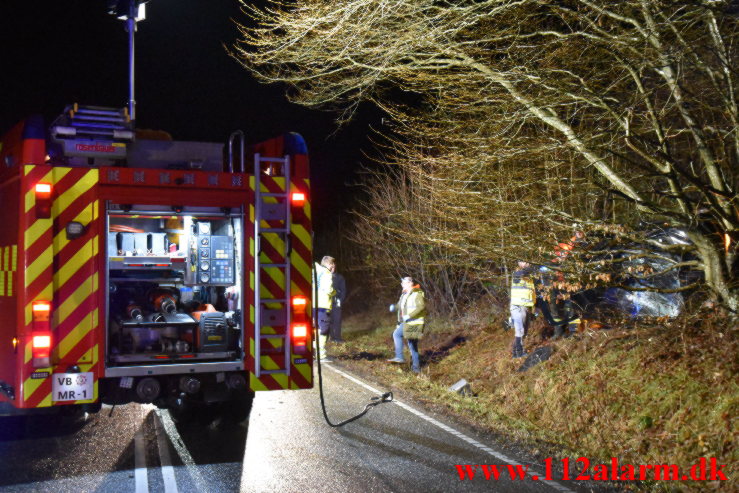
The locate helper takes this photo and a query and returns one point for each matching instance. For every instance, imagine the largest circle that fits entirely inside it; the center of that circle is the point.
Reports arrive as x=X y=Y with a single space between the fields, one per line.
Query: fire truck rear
x=154 y=271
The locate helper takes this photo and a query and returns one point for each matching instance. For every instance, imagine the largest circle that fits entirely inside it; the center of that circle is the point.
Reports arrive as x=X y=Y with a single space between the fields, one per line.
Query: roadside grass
x=662 y=392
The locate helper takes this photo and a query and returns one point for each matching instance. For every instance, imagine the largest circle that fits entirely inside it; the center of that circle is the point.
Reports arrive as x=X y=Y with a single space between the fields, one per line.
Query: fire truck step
x=263 y=159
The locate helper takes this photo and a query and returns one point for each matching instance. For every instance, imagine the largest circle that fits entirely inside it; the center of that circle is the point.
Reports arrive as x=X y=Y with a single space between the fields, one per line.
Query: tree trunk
x=717 y=275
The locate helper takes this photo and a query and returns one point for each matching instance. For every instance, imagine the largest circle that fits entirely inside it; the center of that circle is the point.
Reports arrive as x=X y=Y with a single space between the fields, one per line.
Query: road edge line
x=449 y=429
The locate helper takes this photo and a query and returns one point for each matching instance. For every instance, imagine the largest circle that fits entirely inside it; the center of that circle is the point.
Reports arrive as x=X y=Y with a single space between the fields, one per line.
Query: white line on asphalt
x=139 y=461
x=170 y=483
x=192 y=468
x=456 y=433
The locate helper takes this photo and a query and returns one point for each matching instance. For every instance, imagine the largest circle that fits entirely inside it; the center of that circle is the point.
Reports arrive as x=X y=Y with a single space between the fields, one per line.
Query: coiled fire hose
x=374 y=401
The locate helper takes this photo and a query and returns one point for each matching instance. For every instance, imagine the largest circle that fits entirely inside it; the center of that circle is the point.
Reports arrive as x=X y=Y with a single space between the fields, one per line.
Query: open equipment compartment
x=174 y=284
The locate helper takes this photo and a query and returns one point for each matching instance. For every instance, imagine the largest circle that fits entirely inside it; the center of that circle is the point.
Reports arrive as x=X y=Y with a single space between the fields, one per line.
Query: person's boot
x=518 y=351
x=559 y=330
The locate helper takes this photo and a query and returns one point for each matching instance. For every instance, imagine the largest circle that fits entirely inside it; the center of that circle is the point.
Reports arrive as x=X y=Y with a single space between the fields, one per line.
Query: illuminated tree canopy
x=512 y=120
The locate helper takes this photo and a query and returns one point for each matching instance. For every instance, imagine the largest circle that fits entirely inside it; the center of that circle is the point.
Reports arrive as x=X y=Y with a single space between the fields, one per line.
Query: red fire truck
x=155 y=271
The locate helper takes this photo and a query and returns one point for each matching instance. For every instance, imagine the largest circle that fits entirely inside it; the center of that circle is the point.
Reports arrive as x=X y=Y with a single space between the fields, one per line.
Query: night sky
x=57 y=52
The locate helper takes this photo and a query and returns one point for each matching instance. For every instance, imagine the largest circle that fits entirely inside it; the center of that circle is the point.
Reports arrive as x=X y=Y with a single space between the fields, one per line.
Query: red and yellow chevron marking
x=63 y=271
x=272 y=285
x=8 y=268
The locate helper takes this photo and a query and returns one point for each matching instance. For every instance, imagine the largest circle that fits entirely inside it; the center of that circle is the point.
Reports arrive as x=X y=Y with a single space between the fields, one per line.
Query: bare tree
x=400 y=234
x=534 y=111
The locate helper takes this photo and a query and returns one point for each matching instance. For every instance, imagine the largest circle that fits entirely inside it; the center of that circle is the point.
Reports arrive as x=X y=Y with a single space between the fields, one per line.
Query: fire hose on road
x=374 y=401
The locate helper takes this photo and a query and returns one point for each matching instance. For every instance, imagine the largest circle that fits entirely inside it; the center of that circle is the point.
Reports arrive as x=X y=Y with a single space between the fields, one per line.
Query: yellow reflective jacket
x=324 y=287
x=413 y=306
x=523 y=292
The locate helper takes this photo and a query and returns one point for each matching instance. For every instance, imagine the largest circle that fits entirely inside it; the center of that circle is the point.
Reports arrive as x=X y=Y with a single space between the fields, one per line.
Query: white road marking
x=449 y=429
x=192 y=468
x=170 y=483
x=139 y=461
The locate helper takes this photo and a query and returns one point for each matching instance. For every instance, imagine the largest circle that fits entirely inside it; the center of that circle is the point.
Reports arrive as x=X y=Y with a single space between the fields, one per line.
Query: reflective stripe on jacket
x=522 y=290
x=413 y=305
x=324 y=287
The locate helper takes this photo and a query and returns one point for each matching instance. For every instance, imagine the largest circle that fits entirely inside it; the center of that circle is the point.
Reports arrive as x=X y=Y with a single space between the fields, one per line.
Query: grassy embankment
x=660 y=393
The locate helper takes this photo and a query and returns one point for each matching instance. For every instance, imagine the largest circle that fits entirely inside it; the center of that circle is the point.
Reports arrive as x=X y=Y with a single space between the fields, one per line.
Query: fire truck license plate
x=72 y=387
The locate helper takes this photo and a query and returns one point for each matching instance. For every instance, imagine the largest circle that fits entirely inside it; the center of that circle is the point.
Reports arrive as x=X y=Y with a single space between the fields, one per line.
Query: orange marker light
x=41 y=311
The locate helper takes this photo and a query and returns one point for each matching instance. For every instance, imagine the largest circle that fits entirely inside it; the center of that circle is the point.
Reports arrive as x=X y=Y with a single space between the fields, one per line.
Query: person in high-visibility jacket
x=411 y=310
x=523 y=298
x=324 y=299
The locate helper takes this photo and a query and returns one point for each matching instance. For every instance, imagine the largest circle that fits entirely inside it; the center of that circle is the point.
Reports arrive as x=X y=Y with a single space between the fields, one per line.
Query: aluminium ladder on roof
x=278 y=212
x=99 y=121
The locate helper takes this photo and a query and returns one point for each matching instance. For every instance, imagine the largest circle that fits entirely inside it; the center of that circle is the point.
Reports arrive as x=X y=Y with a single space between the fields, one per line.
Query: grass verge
x=656 y=393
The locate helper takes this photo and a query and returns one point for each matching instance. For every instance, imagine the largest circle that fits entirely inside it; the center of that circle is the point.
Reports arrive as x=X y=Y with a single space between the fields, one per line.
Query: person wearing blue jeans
x=412 y=346
x=415 y=357
x=398 y=340
x=523 y=298
x=411 y=309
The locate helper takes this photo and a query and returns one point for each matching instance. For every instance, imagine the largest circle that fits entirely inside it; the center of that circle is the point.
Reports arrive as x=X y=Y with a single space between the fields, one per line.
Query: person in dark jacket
x=337 y=303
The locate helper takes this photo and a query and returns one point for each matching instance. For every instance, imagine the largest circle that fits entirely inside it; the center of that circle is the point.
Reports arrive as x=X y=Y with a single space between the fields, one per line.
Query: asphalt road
x=289 y=448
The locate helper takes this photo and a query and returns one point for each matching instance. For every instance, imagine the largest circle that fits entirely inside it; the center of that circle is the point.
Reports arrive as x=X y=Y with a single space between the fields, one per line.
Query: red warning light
x=43 y=188
x=300 y=331
x=42 y=342
x=297 y=198
x=43 y=200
